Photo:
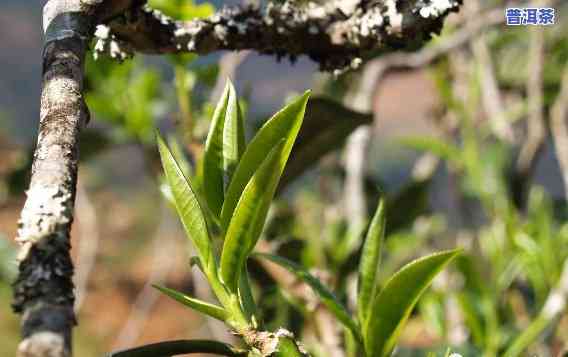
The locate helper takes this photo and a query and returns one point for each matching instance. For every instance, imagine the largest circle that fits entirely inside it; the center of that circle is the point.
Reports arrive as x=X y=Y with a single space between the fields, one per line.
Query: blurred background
x=466 y=138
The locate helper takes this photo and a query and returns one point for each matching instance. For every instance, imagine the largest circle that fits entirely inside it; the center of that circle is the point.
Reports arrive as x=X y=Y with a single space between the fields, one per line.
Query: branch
x=460 y=38
x=376 y=69
x=491 y=96
x=43 y=290
x=333 y=36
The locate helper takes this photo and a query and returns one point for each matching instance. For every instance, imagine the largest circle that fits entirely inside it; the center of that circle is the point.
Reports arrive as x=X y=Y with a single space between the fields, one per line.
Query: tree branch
x=43 y=291
x=333 y=36
x=491 y=96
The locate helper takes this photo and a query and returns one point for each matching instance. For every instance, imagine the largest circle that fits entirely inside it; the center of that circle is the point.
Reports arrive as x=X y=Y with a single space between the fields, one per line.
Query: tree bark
x=336 y=36
x=43 y=290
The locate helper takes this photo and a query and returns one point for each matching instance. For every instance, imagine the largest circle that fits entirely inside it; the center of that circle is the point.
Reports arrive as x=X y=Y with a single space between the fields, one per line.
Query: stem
x=238 y=319
x=287 y=347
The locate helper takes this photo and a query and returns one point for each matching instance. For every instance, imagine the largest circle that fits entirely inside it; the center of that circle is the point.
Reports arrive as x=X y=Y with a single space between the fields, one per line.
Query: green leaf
x=233 y=139
x=248 y=220
x=188 y=207
x=369 y=263
x=528 y=336
x=393 y=305
x=179 y=347
x=223 y=148
x=283 y=125
x=208 y=309
x=325 y=295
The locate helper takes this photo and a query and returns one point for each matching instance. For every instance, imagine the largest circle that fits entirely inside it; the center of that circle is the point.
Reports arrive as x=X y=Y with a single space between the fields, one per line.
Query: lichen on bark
x=43 y=290
x=334 y=36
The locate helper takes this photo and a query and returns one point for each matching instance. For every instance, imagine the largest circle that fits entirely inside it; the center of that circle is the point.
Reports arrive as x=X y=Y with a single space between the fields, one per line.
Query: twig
x=355 y=160
x=490 y=94
x=360 y=98
x=228 y=65
x=480 y=23
x=376 y=69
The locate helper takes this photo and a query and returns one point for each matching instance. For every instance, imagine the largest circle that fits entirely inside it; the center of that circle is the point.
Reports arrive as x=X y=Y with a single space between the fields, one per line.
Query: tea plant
x=225 y=219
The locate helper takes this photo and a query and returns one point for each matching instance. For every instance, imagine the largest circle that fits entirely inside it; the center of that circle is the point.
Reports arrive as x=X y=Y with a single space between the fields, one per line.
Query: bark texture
x=337 y=35
x=43 y=291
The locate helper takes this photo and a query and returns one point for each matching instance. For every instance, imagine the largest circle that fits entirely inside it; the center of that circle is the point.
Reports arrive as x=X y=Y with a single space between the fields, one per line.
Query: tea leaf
x=248 y=219
x=394 y=303
x=223 y=148
x=369 y=263
x=283 y=125
x=188 y=207
x=208 y=309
